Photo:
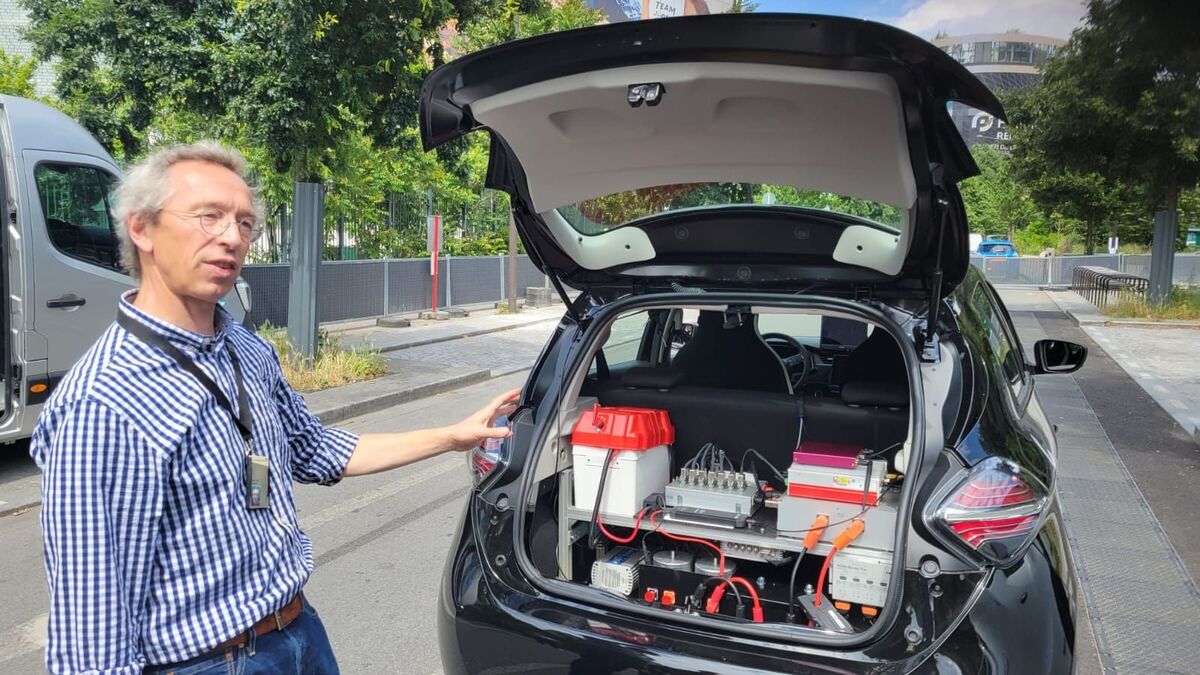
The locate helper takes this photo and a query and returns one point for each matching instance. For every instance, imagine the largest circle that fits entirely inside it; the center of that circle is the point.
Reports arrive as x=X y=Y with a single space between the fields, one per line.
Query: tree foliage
x=16 y=75
x=1118 y=111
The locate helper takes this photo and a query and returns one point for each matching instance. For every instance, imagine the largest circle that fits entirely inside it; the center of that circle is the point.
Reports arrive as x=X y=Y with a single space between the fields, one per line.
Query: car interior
x=785 y=430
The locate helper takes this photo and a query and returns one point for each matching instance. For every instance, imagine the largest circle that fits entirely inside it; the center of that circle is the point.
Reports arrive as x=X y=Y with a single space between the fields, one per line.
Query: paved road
x=1128 y=481
x=379 y=543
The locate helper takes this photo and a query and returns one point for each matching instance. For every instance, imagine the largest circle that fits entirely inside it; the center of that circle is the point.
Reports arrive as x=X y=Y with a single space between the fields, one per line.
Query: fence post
x=449 y=279
x=1049 y=271
x=1121 y=263
x=387 y=285
x=500 y=257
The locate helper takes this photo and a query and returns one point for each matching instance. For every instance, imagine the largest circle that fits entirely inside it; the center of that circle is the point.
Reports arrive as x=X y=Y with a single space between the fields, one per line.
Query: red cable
x=749 y=587
x=720 y=553
x=632 y=535
x=821 y=578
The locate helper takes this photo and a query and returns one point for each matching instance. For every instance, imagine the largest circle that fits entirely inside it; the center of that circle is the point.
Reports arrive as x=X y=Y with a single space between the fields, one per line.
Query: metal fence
x=361 y=289
x=1057 y=271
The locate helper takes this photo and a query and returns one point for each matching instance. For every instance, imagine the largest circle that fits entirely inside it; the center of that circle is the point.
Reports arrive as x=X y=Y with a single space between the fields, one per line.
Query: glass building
x=1002 y=61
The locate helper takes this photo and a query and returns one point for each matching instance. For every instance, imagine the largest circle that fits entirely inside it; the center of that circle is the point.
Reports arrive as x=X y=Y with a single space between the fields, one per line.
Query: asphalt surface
x=379 y=543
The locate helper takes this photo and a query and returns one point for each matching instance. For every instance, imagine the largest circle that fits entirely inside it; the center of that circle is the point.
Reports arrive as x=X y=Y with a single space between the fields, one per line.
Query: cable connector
x=757 y=614
x=852 y=531
x=714 y=601
x=740 y=611
x=815 y=531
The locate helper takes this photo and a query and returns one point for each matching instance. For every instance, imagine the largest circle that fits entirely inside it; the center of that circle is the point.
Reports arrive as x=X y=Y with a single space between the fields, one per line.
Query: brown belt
x=277 y=620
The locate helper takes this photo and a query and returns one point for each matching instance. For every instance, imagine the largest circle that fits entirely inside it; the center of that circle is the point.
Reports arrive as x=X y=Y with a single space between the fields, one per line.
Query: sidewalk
x=429 y=357
x=1158 y=355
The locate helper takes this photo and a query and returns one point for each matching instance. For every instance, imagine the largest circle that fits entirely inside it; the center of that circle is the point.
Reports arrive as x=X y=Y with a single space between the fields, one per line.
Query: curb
x=18 y=509
x=471 y=333
x=339 y=413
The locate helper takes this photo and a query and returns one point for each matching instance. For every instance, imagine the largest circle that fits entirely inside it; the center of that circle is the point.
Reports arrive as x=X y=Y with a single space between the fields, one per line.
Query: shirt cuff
x=339 y=445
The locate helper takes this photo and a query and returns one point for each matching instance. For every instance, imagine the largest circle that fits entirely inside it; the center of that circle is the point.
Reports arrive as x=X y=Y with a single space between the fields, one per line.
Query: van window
x=75 y=203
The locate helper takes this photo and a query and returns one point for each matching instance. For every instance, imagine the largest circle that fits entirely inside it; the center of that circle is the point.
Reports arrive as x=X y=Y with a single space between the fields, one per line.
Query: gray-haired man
x=169 y=451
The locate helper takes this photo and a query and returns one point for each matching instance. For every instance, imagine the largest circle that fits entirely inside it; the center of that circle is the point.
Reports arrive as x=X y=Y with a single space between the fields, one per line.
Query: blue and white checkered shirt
x=151 y=553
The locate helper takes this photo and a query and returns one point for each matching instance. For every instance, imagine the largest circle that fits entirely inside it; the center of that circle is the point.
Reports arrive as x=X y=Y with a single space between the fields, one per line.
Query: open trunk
x=734 y=430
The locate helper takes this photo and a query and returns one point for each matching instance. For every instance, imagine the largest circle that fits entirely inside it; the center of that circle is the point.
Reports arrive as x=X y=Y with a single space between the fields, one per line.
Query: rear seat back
x=733 y=419
x=736 y=420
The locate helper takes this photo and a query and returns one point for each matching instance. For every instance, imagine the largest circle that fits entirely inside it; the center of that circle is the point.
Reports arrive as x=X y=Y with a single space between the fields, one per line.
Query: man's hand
x=381 y=452
x=477 y=427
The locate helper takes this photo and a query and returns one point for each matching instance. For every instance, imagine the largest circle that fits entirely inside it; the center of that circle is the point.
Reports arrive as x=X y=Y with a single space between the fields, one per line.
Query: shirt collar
x=179 y=336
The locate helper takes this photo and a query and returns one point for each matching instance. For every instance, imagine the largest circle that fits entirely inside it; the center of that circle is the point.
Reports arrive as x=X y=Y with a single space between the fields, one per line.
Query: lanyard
x=242 y=419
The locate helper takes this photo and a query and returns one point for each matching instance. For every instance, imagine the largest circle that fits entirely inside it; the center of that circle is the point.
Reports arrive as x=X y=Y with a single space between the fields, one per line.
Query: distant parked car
x=997 y=249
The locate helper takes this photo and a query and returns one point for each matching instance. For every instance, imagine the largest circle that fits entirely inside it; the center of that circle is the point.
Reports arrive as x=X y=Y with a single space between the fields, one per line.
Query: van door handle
x=66 y=301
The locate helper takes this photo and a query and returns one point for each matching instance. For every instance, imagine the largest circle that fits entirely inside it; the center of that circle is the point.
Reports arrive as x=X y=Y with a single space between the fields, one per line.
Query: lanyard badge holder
x=257 y=469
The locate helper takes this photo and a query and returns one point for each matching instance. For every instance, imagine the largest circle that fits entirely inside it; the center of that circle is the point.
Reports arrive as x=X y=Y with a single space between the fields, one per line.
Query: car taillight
x=484 y=459
x=995 y=512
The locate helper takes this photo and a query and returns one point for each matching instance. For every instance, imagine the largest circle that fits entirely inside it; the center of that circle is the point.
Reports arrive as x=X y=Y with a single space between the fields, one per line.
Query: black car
x=783 y=425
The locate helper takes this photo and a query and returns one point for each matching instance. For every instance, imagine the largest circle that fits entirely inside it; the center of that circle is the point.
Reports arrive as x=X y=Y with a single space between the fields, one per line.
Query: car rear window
x=995 y=248
x=601 y=214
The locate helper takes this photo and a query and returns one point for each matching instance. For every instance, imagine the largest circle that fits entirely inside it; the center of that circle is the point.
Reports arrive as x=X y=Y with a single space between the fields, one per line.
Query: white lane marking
x=428 y=472
x=24 y=638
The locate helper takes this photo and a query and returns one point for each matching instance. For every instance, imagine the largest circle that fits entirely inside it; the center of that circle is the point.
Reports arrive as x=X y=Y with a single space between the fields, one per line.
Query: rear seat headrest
x=646 y=377
x=867 y=392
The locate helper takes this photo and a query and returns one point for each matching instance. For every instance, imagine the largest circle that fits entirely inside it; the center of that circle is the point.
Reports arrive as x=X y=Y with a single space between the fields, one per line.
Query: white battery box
x=633 y=476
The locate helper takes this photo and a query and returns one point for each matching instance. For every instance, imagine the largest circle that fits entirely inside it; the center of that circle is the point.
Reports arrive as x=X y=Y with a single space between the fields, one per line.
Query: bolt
x=809 y=590
x=501 y=560
x=912 y=634
x=761 y=582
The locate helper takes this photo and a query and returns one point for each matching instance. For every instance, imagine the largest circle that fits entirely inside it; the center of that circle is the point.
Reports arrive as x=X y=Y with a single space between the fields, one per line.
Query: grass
x=1183 y=305
x=333 y=366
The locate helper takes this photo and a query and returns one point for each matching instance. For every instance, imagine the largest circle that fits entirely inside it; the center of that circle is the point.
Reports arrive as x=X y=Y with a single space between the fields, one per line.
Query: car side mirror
x=1057 y=357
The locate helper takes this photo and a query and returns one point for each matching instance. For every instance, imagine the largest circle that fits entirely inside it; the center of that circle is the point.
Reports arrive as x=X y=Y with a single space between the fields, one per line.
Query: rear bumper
x=1021 y=623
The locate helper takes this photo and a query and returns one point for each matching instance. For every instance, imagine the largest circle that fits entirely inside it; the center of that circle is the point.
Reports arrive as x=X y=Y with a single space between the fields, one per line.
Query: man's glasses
x=214 y=222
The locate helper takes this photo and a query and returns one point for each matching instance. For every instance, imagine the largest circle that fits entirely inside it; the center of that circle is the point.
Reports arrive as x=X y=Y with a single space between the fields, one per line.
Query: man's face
x=193 y=263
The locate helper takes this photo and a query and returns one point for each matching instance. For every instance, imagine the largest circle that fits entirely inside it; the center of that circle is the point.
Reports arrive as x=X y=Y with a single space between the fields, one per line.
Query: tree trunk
x=1089 y=240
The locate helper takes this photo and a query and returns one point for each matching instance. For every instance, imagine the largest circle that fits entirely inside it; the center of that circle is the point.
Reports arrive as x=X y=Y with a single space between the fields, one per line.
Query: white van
x=62 y=276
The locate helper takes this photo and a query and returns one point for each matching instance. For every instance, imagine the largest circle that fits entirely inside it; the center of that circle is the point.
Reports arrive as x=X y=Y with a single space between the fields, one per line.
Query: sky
x=1053 y=18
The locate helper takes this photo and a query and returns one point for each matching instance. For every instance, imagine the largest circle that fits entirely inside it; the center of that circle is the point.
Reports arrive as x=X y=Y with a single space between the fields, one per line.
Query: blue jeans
x=300 y=649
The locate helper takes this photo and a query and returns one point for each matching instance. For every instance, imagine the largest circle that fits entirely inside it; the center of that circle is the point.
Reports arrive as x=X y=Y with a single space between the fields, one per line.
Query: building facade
x=1002 y=61
x=13 y=23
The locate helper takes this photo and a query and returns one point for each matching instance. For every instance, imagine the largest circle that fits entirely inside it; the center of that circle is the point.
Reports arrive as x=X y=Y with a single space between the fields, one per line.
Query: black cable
x=771 y=466
x=593 y=536
x=727 y=582
x=792 y=584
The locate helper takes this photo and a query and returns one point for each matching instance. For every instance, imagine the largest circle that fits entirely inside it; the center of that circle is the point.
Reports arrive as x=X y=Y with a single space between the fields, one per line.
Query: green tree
x=1118 y=111
x=16 y=75
x=996 y=202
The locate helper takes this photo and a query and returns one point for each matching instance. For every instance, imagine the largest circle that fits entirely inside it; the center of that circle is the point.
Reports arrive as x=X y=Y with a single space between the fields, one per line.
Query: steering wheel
x=799 y=364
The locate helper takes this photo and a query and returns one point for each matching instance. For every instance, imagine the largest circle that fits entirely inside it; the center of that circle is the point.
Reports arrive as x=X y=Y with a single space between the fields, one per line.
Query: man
x=168 y=454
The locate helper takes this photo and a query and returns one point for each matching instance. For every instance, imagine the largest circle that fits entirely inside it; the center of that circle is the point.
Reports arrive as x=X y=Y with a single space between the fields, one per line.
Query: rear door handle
x=66 y=301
